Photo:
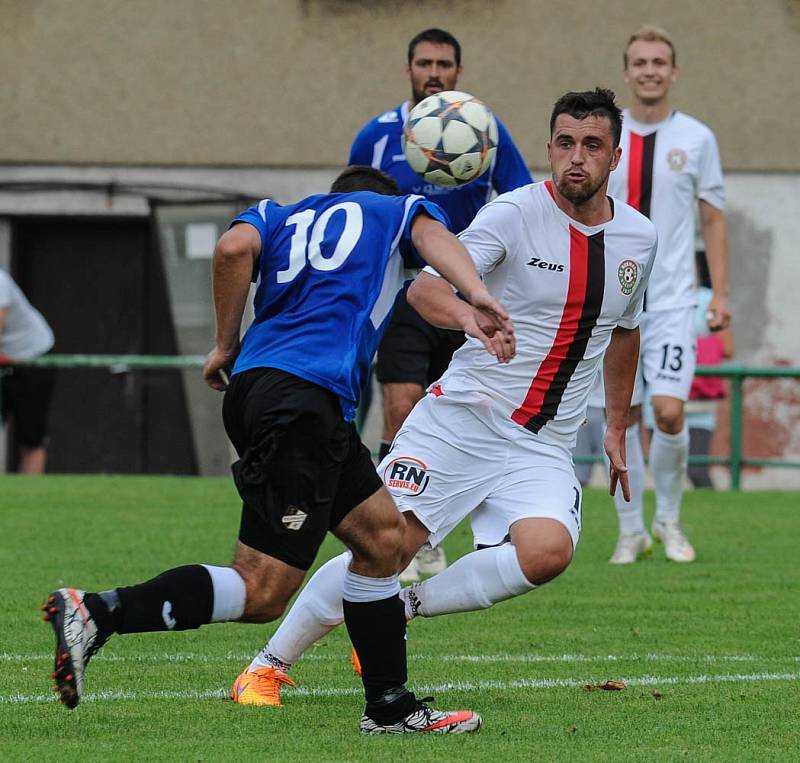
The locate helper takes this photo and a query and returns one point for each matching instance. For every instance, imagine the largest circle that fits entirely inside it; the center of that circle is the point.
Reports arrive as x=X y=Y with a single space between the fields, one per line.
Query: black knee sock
x=378 y=632
x=179 y=599
x=383 y=449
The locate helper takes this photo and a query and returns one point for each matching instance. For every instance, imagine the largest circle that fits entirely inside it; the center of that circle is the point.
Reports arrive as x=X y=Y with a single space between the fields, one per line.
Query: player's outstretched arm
x=619 y=374
x=232 y=268
x=435 y=301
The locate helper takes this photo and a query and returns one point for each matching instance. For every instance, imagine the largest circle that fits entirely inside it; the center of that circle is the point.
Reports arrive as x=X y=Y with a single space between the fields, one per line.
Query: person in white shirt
x=24 y=392
x=670 y=165
x=493 y=440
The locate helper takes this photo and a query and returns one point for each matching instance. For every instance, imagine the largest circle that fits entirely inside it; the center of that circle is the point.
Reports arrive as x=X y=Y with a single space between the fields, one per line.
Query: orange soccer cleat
x=261 y=686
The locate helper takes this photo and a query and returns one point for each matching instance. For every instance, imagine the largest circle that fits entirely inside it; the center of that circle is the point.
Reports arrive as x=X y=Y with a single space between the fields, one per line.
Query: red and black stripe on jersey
x=640 y=171
x=587 y=274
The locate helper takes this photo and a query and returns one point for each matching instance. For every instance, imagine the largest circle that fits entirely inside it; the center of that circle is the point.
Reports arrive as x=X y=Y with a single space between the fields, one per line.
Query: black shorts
x=412 y=351
x=301 y=467
x=25 y=398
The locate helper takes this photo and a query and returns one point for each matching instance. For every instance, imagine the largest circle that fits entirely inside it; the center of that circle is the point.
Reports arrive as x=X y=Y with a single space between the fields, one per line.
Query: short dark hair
x=590 y=103
x=437 y=36
x=362 y=178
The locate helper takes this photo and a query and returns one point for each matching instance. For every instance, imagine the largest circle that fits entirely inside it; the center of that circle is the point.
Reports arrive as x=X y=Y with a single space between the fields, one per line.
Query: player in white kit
x=493 y=440
x=670 y=164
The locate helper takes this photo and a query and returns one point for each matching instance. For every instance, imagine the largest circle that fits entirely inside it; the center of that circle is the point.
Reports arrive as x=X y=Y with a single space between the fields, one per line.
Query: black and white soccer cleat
x=77 y=640
x=426 y=720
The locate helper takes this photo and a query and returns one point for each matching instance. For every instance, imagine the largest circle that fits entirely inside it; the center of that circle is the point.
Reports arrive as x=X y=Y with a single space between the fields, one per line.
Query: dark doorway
x=100 y=285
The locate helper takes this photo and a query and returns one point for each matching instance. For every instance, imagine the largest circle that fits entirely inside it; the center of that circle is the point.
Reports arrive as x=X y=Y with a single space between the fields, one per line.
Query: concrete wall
x=287 y=82
x=263 y=97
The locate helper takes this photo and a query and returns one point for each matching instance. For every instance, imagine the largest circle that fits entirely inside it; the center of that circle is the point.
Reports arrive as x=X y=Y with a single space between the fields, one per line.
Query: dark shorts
x=301 y=467
x=412 y=351
x=25 y=399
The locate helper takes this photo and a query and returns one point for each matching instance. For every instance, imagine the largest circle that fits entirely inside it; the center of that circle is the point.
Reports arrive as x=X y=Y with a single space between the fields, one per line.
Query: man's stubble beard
x=421 y=95
x=578 y=195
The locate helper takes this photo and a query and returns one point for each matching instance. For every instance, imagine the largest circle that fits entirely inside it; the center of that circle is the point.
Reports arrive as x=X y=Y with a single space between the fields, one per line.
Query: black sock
x=384 y=449
x=378 y=632
x=179 y=599
x=100 y=612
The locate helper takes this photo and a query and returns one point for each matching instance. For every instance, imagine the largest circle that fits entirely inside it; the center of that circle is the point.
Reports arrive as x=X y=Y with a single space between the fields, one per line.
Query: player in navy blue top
x=413 y=354
x=328 y=268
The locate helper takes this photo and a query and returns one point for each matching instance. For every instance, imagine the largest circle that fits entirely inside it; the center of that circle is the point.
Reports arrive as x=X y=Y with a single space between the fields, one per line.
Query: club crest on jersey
x=628 y=275
x=406 y=476
x=676 y=159
x=294 y=518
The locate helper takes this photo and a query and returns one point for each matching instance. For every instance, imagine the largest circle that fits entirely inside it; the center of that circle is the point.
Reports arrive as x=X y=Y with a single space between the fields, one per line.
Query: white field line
x=178 y=657
x=464 y=686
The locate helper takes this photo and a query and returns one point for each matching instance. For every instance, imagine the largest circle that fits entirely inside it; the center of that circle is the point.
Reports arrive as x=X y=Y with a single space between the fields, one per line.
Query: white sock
x=669 y=455
x=230 y=593
x=475 y=581
x=631 y=515
x=361 y=589
x=315 y=612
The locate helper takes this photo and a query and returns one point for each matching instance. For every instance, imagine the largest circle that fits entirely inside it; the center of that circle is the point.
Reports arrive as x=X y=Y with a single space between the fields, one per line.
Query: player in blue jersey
x=328 y=269
x=413 y=354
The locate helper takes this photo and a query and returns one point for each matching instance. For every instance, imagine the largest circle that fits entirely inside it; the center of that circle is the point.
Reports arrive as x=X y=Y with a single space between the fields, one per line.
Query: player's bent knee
x=669 y=415
x=263 y=606
x=386 y=543
x=540 y=565
x=269 y=584
x=260 y=612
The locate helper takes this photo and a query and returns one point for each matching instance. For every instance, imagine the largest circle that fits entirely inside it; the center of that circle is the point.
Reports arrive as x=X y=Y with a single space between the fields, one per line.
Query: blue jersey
x=380 y=145
x=329 y=271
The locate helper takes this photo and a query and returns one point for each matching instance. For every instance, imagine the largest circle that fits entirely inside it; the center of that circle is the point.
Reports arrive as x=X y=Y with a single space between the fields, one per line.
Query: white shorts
x=446 y=464
x=667 y=356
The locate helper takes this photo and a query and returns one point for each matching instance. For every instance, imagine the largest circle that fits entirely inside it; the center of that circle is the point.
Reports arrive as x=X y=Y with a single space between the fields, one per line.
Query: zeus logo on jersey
x=536 y=262
x=406 y=475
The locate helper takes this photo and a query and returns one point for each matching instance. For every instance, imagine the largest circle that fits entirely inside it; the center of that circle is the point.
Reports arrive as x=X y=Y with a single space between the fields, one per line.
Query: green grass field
x=709 y=652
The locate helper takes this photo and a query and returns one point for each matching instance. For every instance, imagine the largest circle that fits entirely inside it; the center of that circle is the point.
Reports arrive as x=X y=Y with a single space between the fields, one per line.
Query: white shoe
x=411 y=573
x=431 y=561
x=676 y=544
x=630 y=547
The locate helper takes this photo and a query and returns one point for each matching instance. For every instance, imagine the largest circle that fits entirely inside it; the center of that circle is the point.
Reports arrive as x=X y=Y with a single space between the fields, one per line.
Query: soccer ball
x=450 y=138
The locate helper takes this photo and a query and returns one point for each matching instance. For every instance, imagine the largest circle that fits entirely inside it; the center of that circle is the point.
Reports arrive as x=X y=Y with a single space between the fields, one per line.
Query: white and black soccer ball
x=450 y=138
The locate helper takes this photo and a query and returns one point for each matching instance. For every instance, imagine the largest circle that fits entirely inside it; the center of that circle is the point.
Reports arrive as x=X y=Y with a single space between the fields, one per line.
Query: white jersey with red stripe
x=566 y=287
x=665 y=168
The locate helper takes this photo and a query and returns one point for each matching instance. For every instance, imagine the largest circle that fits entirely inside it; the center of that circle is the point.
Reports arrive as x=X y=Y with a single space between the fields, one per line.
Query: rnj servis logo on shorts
x=406 y=476
x=628 y=275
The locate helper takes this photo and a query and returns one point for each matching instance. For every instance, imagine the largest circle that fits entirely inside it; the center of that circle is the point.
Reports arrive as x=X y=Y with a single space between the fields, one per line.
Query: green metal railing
x=736 y=461
x=737 y=374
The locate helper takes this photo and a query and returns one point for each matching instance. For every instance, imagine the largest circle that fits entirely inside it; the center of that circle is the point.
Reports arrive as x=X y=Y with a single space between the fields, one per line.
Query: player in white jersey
x=670 y=165
x=571 y=265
